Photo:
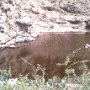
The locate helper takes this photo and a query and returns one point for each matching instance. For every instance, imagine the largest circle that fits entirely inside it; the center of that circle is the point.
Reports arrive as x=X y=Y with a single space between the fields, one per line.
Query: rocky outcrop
x=87 y=24
x=75 y=6
x=23 y=20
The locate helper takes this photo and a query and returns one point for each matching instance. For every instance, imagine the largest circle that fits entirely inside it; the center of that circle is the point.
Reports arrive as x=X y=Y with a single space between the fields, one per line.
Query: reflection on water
x=51 y=51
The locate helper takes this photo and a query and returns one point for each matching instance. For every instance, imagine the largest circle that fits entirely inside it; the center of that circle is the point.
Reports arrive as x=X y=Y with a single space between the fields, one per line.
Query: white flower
x=87 y=46
x=12 y=81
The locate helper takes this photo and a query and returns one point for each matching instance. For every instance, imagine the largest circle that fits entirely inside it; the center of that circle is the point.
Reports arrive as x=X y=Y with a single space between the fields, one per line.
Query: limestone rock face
x=75 y=6
x=23 y=20
x=55 y=52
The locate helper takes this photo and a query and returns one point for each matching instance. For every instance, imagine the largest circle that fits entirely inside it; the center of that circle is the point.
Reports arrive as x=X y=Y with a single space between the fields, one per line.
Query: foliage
x=23 y=83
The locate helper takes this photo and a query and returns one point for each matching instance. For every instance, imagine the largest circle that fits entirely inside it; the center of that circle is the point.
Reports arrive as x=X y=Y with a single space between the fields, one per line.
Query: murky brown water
x=50 y=50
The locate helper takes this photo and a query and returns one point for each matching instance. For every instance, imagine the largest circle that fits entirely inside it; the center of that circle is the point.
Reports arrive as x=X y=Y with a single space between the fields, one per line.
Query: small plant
x=5 y=74
x=70 y=71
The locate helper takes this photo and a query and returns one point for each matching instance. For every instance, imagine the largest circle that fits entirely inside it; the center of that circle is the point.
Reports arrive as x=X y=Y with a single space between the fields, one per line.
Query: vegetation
x=23 y=83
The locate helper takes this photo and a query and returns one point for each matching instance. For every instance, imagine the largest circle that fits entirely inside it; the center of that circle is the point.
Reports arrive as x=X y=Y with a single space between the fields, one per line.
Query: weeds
x=67 y=83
